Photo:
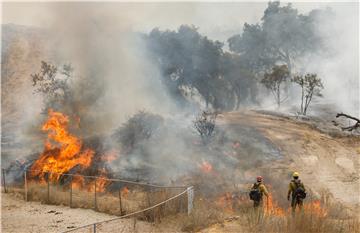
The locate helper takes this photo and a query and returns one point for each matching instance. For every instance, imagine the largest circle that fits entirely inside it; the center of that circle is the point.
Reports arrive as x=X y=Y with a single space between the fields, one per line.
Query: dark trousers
x=296 y=202
x=258 y=203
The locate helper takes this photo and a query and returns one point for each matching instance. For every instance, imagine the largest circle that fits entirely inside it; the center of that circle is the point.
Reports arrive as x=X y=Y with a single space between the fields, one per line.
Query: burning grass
x=315 y=216
x=305 y=221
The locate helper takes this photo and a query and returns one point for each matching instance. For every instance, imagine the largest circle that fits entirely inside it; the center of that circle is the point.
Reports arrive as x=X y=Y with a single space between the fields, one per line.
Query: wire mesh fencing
x=113 y=196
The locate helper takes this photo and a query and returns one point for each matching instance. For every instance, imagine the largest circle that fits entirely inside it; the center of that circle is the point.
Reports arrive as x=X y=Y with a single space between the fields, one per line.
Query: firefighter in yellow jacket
x=258 y=190
x=297 y=191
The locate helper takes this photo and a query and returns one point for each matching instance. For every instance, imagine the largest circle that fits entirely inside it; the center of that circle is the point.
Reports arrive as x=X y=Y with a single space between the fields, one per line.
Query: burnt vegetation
x=205 y=125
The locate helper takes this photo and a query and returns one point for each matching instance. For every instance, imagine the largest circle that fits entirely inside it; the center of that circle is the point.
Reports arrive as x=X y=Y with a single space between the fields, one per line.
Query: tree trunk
x=278 y=95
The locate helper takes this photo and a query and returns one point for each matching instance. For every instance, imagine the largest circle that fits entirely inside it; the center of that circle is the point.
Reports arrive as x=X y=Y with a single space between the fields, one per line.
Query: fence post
x=95 y=203
x=190 y=199
x=71 y=180
x=25 y=184
x=134 y=225
x=94 y=227
x=48 y=187
x=3 y=179
x=121 y=211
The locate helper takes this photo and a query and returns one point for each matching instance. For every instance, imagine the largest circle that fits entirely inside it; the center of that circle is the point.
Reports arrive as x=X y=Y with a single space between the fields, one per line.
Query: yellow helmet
x=295 y=174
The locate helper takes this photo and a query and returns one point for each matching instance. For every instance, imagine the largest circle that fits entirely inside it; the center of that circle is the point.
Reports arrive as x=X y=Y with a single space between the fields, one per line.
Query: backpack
x=255 y=193
x=299 y=192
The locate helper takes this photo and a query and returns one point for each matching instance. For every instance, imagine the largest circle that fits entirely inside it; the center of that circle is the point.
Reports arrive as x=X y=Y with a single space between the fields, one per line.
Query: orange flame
x=125 y=191
x=225 y=202
x=109 y=156
x=316 y=208
x=101 y=183
x=78 y=182
x=62 y=150
x=272 y=208
x=206 y=167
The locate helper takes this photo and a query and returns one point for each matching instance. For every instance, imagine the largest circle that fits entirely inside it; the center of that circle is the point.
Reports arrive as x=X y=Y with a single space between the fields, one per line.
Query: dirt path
x=20 y=216
x=326 y=164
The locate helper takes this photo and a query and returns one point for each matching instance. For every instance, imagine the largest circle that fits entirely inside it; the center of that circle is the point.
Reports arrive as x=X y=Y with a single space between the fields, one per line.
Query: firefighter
x=258 y=190
x=297 y=192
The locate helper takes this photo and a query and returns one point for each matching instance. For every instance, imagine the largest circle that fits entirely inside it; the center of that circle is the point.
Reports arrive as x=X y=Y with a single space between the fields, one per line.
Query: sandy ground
x=326 y=164
x=20 y=216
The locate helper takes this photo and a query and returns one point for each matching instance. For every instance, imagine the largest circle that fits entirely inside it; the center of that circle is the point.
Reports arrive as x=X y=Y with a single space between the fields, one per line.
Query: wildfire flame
x=206 y=167
x=228 y=203
x=109 y=156
x=125 y=191
x=225 y=202
x=316 y=208
x=272 y=208
x=62 y=150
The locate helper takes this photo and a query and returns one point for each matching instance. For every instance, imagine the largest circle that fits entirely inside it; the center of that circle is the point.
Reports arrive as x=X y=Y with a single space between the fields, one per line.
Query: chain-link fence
x=114 y=196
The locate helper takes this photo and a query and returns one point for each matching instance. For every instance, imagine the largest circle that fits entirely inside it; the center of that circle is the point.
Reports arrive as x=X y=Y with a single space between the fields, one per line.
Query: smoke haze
x=103 y=43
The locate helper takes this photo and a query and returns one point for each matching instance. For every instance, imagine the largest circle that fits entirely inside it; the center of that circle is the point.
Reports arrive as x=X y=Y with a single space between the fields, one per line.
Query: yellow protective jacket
x=261 y=188
x=293 y=185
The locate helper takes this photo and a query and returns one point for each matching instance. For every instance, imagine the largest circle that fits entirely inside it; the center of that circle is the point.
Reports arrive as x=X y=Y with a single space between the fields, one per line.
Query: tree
x=311 y=86
x=282 y=37
x=139 y=128
x=273 y=81
x=194 y=66
x=56 y=89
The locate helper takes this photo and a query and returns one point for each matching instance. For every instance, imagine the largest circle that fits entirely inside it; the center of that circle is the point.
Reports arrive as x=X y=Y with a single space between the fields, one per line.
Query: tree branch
x=351 y=127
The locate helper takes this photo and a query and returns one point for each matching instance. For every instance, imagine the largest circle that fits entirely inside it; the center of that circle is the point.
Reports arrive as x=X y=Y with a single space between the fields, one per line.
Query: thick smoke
x=108 y=55
x=339 y=68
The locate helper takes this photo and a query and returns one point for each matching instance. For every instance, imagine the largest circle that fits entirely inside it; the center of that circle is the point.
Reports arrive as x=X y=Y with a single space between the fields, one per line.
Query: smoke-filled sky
x=217 y=20
x=92 y=35
x=98 y=39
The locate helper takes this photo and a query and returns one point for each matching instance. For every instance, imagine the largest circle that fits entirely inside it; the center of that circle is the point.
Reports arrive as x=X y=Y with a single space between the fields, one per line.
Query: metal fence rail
x=120 y=197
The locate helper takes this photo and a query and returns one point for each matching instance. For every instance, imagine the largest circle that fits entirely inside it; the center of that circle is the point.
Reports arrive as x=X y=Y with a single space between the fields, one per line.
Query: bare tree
x=273 y=81
x=311 y=86
x=205 y=125
x=350 y=128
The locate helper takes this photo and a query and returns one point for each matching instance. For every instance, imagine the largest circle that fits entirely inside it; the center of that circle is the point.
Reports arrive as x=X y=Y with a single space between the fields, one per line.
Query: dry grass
x=300 y=223
x=109 y=202
x=204 y=214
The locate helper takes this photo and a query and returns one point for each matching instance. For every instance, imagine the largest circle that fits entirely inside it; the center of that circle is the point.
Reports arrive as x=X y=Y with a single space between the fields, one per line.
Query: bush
x=205 y=125
x=138 y=128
